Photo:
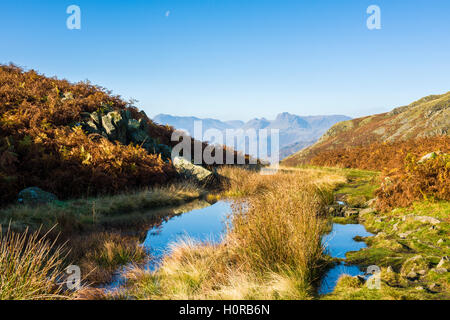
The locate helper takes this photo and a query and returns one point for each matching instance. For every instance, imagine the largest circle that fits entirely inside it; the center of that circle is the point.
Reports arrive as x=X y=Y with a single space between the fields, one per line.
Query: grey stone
x=443 y=263
x=190 y=171
x=371 y=203
x=35 y=196
x=381 y=235
x=433 y=287
x=109 y=127
x=404 y=235
x=367 y=211
x=422 y=272
x=133 y=125
x=114 y=126
x=440 y=270
x=96 y=118
x=395 y=227
x=90 y=127
x=426 y=219
x=120 y=126
x=412 y=275
x=429 y=156
x=351 y=212
x=139 y=137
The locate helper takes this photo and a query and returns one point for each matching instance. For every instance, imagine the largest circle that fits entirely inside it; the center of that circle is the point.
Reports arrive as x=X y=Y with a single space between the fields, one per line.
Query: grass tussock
x=272 y=249
x=30 y=267
x=102 y=254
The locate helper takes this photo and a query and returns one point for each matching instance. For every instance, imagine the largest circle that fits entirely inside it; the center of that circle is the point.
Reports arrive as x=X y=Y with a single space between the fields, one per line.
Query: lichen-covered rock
x=367 y=211
x=122 y=127
x=426 y=219
x=429 y=156
x=109 y=122
x=35 y=196
x=444 y=263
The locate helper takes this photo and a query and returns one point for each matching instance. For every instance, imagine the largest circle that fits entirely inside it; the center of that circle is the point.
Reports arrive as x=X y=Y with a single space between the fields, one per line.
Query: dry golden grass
x=272 y=249
x=99 y=255
x=30 y=267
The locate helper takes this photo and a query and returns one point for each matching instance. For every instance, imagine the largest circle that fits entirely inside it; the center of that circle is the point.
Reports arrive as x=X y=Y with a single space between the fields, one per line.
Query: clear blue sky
x=239 y=59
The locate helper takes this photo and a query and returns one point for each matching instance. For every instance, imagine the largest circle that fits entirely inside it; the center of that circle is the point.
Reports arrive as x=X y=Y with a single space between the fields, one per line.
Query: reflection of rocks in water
x=168 y=214
x=137 y=223
x=194 y=205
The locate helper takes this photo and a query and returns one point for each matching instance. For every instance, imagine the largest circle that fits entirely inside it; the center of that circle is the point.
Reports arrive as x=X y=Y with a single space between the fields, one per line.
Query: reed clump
x=31 y=267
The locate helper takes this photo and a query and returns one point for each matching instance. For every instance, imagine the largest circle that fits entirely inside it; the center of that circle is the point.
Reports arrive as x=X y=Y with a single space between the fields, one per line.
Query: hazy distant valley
x=296 y=132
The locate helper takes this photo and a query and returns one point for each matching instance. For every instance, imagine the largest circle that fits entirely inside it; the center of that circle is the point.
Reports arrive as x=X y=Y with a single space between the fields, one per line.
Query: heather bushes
x=417 y=180
x=406 y=179
x=381 y=156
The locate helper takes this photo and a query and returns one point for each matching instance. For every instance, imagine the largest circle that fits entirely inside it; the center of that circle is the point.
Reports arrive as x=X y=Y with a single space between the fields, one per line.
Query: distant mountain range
x=296 y=132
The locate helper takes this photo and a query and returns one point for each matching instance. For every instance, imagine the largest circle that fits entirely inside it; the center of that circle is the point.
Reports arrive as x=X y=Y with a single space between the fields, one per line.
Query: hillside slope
x=76 y=140
x=427 y=117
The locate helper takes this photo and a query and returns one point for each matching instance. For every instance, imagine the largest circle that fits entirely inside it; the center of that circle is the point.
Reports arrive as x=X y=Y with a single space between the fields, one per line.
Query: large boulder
x=35 y=196
x=199 y=174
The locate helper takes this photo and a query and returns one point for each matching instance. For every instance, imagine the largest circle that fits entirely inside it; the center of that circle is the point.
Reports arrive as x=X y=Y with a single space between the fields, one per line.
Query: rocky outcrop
x=119 y=125
x=35 y=196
